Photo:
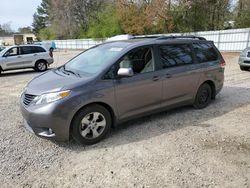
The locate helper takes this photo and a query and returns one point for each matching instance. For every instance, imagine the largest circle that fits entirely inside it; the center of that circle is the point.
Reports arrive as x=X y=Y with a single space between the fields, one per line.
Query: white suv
x=244 y=60
x=25 y=56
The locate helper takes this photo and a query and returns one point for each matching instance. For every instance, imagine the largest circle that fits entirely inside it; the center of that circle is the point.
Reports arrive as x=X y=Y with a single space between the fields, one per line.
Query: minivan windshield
x=92 y=61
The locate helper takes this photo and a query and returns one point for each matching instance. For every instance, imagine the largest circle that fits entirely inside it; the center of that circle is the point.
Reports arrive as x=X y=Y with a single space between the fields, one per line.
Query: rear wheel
x=41 y=66
x=91 y=124
x=203 y=96
x=243 y=68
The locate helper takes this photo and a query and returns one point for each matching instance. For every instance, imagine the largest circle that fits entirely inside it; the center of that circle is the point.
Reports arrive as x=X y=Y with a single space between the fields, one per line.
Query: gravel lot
x=178 y=148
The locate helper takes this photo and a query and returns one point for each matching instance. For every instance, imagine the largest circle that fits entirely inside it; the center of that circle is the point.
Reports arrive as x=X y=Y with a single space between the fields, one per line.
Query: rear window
x=37 y=49
x=205 y=52
x=175 y=55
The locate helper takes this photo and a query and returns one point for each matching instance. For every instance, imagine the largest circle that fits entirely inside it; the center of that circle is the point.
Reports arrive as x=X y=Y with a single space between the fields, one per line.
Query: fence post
x=248 y=38
x=219 y=40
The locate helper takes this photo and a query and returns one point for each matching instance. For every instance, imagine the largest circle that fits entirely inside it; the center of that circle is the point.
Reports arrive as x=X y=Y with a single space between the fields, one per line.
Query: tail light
x=51 y=53
x=222 y=63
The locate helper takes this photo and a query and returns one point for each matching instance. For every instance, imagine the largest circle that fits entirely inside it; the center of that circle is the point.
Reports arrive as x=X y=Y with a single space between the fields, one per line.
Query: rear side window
x=37 y=49
x=31 y=49
x=205 y=52
x=175 y=55
x=26 y=50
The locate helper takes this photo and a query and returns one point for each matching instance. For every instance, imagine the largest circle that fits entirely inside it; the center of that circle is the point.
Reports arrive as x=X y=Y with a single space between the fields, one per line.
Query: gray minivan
x=118 y=81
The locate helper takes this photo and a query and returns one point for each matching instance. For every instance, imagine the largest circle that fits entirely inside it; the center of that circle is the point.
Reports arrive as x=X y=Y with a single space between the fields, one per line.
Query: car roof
x=14 y=46
x=29 y=45
x=143 y=41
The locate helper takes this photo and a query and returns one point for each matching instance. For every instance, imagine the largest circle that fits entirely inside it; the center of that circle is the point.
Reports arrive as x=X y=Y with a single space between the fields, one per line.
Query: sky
x=18 y=12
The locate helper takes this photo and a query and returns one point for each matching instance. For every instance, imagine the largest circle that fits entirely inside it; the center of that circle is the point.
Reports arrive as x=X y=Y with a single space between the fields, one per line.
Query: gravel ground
x=178 y=148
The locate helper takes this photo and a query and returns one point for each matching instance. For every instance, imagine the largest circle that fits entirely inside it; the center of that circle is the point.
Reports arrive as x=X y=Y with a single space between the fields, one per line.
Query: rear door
x=209 y=60
x=28 y=56
x=180 y=74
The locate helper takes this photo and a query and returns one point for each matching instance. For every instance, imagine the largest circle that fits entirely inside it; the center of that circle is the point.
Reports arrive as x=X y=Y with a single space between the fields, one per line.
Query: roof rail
x=180 y=37
x=145 y=37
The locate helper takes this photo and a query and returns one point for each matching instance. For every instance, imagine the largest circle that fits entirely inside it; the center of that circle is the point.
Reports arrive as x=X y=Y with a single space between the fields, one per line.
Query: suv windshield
x=92 y=61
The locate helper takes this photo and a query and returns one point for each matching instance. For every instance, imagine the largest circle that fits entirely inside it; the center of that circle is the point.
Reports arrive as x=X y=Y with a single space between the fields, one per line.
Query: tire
x=203 y=96
x=91 y=125
x=244 y=68
x=41 y=66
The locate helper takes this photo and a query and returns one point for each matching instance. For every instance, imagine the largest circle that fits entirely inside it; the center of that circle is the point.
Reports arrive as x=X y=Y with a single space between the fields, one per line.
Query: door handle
x=155 y=78
x=168 y=76
x=35 y=55
x=19 y=56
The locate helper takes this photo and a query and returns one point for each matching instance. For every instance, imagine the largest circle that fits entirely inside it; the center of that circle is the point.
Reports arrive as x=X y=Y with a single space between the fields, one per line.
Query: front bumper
x=48 y=121
x=244 y=61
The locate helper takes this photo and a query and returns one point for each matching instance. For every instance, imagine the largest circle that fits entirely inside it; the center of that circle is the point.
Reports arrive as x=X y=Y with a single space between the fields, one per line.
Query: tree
x=106 y=24
x=243 y=14
x=69 y=18
x=46 y=34
x=41 y=17
x=5 y=29
x=145 y=17
x=200 y=15
x=25 y=30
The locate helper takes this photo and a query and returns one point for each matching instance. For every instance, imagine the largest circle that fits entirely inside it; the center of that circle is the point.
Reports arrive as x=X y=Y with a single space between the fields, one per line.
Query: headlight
x=51 y=97
x=244 y=53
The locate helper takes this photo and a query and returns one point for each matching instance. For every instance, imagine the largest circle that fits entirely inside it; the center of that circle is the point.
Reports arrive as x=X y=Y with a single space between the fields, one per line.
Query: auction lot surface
x=180 y=148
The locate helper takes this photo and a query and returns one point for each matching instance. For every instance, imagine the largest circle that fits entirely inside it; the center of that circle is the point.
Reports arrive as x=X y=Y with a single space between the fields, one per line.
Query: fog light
x=47 y=132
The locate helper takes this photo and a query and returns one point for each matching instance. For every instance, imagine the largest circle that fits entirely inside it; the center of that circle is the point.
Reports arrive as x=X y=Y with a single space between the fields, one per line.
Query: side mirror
x=125 y=72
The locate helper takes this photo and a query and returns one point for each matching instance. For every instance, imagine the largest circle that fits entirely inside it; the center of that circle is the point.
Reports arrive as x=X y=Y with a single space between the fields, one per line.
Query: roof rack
x=180 y=37
x=145 y=37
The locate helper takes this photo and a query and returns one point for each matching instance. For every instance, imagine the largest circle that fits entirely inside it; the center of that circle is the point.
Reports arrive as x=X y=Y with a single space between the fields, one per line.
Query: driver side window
x=139 y=60
x=12 y=52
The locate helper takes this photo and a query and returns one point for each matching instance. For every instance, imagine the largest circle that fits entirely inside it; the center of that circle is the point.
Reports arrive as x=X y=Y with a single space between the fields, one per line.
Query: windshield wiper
x=70 y=71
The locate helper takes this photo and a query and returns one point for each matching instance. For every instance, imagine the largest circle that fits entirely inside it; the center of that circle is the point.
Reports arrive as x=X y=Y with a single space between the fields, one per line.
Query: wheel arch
x=41 y=60
x=212 y=85
x=105 y=105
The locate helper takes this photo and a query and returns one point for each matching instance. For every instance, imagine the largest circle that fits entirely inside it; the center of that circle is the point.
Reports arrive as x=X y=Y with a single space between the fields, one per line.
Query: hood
x=53 y=81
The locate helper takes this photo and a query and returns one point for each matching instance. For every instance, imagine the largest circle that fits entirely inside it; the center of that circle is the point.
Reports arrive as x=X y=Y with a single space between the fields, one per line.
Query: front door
x=141 y=92
x=12 y=59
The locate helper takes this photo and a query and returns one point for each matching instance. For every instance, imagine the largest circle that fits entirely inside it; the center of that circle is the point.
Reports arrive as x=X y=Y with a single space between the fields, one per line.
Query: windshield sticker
x=115 y=49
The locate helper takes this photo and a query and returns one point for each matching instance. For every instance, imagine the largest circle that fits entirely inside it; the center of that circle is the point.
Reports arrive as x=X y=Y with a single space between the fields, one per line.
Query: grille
x=28 y=99
x=248 y=54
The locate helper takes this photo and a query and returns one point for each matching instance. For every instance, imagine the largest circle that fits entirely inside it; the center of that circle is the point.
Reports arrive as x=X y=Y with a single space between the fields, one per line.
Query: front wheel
x=91 y=124
x=203 y=96
x=41 y=66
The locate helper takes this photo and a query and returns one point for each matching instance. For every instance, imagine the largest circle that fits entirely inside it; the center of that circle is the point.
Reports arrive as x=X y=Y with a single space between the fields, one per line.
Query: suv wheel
x=203 y=96
x=91 y=125
x=244 y=68
x=41 y=66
